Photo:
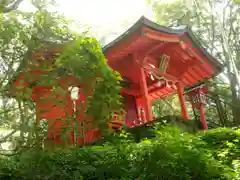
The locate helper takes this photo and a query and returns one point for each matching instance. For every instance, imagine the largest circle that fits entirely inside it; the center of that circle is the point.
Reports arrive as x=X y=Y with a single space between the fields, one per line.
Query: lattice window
x=199 y=98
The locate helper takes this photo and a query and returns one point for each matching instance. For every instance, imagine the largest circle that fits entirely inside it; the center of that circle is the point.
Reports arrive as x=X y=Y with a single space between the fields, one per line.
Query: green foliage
x=167 y=106
x=225 y=145
x=166 y=12
x=236 y=1
x=23 y=33
x=88 y=163
x=85 y=60
x=148 y=131
x=170 y=155
x=184 y=159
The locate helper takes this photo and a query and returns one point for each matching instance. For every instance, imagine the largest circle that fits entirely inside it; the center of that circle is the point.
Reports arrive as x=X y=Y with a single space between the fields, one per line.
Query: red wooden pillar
x=182 y=100
x=144 y=93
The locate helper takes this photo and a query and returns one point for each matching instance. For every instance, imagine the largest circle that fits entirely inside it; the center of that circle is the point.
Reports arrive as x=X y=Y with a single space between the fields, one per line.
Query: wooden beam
x=123 y=46
x=199 y=71
x=129 y=92
x=165 y=75
x=187 y=79
x=159 y=94
x=183 y=56
x=184 y=82
x=195 y=74
x=154 y=48
x=191 y=77
x=161 y=38
x=190 y=50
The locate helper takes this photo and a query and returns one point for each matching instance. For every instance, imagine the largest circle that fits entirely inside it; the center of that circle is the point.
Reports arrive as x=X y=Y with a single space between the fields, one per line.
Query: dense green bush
x=170 y=155
x=104 y=162
x=147 y=131
x=225 y=146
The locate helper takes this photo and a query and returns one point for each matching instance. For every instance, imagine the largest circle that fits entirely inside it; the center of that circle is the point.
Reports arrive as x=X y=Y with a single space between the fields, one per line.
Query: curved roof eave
x=144 y=22
x=197 y=44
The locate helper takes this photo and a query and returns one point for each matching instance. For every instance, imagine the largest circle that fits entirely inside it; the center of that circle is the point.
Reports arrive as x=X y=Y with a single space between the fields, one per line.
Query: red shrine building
x=156 y=62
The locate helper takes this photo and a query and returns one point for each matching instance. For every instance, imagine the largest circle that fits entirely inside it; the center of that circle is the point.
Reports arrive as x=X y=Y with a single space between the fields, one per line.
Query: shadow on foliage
x=171 y=154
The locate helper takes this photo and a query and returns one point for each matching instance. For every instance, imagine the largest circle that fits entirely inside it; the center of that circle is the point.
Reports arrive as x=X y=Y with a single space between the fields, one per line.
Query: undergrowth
x=171 y=154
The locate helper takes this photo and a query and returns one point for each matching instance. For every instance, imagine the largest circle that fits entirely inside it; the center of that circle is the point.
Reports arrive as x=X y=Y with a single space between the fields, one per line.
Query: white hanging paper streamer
x=74 y=95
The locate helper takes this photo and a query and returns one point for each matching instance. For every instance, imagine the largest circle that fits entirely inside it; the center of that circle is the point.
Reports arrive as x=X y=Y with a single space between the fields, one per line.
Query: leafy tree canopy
x=21 y=34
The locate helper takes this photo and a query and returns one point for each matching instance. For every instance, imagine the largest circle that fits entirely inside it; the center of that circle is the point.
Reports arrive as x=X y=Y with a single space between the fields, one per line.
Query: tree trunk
x=221 y=111
x=235 y=100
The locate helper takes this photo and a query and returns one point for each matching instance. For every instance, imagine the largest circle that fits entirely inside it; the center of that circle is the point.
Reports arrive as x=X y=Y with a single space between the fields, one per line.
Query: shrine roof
x=137 y=28
x=179 y=31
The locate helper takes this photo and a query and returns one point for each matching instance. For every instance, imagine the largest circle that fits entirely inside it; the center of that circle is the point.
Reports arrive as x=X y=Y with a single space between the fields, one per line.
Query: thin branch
x=17 y=150
x=8 y=110
x=12 y=7
x=7 y=136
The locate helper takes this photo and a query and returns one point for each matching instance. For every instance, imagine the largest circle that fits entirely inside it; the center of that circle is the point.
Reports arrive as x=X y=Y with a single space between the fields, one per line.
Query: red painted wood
x=130 y=92
x=144 y=92
x=187 y=80
x=195 y=75
x=114 y=52
x=184 y=82
x=160 y=36
x=180 y=91
x=167 y=93
x=127 y=67
x=191 y=79
x=158 y=93
x=155 y=97
x=130 y=108
x=202 y=59
x=200 y=104
x=154 y=48
x=201 y=72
